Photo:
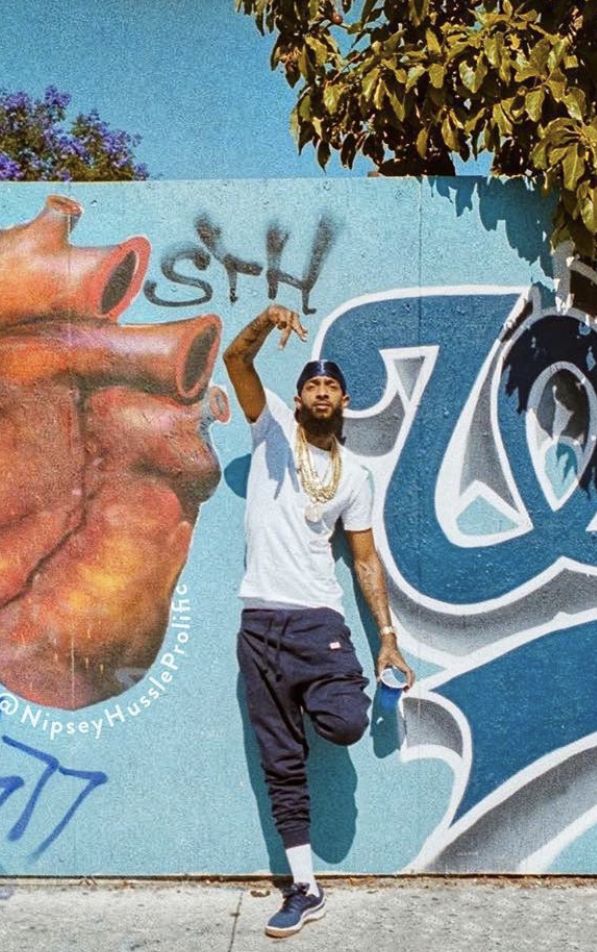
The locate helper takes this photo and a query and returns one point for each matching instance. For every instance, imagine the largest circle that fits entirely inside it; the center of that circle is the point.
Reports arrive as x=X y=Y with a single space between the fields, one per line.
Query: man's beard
x=316 y=426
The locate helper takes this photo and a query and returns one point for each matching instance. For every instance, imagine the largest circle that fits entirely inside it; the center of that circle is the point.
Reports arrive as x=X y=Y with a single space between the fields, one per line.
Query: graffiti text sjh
x=213 y=245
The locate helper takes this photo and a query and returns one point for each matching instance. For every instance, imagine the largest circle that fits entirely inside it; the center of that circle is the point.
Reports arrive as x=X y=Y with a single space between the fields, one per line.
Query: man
x=294 y=649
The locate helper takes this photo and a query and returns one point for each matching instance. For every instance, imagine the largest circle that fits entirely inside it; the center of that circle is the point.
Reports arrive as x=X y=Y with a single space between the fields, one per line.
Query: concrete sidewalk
x=374 y=915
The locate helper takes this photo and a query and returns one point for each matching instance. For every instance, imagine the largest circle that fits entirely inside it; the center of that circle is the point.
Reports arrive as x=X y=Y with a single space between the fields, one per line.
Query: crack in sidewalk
x=236 y=918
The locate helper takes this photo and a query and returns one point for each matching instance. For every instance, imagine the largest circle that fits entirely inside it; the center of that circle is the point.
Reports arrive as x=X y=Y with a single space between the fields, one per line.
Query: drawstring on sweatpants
x=265 y=650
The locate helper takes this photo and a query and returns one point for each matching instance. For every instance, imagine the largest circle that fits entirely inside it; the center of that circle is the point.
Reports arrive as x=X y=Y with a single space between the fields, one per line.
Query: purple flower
x=68 y=147
x=96 y=124
x=14 y=101
x=55 y=99
x=9 y=169
x=37 y=146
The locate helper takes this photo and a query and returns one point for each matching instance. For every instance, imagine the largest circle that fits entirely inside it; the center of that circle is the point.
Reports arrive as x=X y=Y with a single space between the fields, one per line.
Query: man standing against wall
x=294 y=650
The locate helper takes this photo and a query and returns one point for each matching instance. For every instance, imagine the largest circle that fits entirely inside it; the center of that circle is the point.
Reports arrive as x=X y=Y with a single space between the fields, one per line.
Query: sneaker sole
x=308 y=916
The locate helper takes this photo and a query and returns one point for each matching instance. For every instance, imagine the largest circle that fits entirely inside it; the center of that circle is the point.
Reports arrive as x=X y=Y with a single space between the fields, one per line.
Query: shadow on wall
x=525 y=212
x=524 y=216
x=332 y=776
x=383 y=725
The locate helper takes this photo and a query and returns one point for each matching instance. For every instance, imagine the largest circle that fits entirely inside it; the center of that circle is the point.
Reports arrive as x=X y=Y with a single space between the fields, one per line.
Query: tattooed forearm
x=249 y=341
x=372 y=583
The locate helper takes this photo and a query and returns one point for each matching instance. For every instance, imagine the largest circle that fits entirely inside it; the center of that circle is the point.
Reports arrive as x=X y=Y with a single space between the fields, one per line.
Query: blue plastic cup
x=391 y=686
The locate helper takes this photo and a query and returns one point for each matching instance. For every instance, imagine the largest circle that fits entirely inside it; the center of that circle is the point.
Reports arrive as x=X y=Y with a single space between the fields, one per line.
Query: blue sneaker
x=298 y=907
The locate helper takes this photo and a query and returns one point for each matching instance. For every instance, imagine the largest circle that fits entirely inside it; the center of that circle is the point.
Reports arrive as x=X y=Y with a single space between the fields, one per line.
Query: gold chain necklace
x=316 y=488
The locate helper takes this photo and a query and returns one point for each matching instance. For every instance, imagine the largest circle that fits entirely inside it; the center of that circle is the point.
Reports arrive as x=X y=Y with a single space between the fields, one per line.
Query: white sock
x=300 y=861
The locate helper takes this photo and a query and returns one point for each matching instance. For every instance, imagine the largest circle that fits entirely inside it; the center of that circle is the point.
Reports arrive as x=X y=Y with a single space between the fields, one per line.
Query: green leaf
x=305 y=135
x=588 y=210
x=480 y=73
x=589 y=134
x=493 y=48
x=370 y=81
x=303 y=107
x=380 y=94
x=414 y=74
x=539 y=54
x=449 y=135
x=539 y=155
x=472 y=75
x=556 y=153
x=573 y=168
x=356 y=27
x=303 y=62
x=433 y=44
x=534 y=103
x=501 y=119
x=332 y=94
x=467 y=74
x=392 y=43
x=323 y=154
x=557 y=52
x=525 y=73
x=348 y=150
x=397 y=105
x=490 y=139
x=418 y=10
x=575 y=102
x=373 y=148
x=557 y=84
x=437 y=97
x=437 y=74
x=472 y=123
x=505 y=68
x=561 y=131
x=320 y=50
x=317 y=125
x=421 y=142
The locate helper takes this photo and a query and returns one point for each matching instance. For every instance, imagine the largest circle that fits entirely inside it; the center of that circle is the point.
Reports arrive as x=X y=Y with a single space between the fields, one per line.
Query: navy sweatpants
x=298 y=661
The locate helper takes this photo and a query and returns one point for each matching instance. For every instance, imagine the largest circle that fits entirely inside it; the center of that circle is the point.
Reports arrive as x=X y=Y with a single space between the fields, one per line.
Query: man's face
x=320 y=405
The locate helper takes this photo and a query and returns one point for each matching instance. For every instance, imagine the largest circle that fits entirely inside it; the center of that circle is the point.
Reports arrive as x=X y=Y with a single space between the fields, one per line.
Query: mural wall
x=472 y=368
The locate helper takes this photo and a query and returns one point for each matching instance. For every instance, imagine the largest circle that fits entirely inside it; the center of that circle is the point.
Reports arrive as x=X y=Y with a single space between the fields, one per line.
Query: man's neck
x=323 y=442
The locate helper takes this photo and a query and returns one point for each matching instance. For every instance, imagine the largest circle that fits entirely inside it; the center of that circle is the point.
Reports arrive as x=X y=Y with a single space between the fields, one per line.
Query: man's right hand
x=240 y=354
x=287 y=322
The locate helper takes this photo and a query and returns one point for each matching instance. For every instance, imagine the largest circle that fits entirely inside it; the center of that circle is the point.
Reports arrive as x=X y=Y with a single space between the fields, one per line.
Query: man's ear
x=345 y=401
x=297 y=402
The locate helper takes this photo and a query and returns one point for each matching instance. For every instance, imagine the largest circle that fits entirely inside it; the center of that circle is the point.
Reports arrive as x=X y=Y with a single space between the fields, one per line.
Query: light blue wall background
x=184 y=793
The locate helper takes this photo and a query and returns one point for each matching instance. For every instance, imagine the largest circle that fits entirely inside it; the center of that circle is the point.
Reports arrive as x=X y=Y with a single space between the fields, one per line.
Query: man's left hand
x=390 y=657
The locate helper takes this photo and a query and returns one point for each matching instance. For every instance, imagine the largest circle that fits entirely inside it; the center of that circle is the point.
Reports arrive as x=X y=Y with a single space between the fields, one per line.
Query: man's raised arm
x=239 y=356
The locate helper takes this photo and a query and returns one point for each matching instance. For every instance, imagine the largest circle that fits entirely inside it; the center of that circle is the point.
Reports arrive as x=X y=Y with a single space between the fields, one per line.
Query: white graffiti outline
x=452 y=466
x=542 y=859
x=538 y=449
x=445 y=833
x=382 y=468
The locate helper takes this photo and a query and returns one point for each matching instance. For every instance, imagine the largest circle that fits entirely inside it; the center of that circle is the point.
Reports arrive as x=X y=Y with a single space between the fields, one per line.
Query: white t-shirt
x=289 y=560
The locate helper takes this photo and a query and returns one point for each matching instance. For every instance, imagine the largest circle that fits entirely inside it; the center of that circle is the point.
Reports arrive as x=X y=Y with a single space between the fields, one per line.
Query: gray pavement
x=431 y=914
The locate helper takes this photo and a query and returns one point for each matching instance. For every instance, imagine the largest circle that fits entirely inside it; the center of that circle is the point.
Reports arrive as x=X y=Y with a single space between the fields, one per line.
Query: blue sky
x=191 y=76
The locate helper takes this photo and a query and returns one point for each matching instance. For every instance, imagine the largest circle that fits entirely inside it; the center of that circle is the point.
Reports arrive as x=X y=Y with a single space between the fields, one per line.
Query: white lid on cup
x=393 y=678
